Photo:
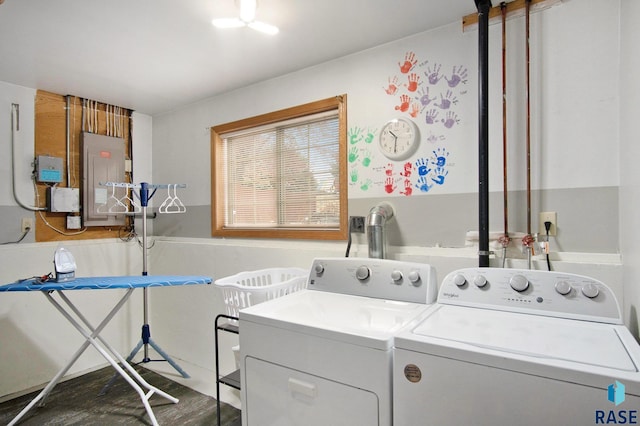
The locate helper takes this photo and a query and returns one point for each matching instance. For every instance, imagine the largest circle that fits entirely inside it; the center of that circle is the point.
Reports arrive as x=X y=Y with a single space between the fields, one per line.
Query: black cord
x=24 y=234
x=348 y=240
x=547 y=227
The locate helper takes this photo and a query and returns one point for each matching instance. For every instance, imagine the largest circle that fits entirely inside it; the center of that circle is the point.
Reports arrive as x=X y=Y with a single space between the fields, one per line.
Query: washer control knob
x=480 y=281
x=362 y=273
x=414 y=277
x=459 y=280
x=396 y=276
x=319 y=268
x=563 y=288
x=590 y=290
x=519 y=283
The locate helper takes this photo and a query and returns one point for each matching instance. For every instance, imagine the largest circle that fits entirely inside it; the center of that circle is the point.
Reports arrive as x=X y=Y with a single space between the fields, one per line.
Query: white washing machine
x=323 y=355
x=518 y=347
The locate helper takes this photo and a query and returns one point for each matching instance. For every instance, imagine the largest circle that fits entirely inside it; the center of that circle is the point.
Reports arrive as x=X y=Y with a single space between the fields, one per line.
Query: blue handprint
x=422 y=166
x=440 y=157
x=440 y=174
x=423 y=184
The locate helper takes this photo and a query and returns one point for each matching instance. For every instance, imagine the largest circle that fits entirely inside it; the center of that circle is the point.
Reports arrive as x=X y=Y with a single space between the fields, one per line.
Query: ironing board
x=92 y=334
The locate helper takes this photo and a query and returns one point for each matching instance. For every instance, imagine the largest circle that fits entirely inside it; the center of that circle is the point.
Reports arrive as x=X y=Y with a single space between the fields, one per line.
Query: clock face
x=399 y=139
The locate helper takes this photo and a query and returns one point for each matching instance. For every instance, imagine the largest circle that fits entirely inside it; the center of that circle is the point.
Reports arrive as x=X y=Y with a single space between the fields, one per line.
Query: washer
x=324 y=355
x=518 y=347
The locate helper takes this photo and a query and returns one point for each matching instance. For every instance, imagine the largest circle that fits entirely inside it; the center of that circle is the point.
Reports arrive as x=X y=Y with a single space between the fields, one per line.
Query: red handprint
x=408 y=168
x=414 y=81
x=389 y=170
x=389 y=186
x=404 y=103
x=392 y=88
x=415 y=110
x=409 y=62
x=407 y=188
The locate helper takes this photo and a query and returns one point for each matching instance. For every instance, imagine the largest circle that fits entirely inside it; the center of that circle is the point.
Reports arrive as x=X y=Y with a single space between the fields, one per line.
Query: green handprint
x=370 y=135
x=354 y=175
x=353 y=154
x=354 y=135
x=365 y=185
x=366 y=161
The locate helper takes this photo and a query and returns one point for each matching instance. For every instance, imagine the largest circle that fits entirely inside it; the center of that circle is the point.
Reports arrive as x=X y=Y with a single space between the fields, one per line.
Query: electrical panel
x=103 y=160
x=49 y=169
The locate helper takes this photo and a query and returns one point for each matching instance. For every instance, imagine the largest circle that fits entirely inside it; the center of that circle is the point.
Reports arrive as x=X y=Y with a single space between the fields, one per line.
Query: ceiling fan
x=247 y=18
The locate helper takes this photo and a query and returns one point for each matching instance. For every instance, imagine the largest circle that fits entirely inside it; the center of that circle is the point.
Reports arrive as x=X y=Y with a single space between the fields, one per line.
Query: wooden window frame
x=218 y=205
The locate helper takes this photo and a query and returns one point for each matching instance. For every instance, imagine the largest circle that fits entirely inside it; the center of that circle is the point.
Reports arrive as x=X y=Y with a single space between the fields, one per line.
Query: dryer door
x=284 y=397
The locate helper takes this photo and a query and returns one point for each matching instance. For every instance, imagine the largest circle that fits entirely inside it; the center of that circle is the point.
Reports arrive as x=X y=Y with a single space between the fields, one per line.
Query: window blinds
x=285 y=175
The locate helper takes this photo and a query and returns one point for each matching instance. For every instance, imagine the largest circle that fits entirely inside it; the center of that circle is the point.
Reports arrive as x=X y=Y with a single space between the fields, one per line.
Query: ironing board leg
x=132 y=372
x=45 y=392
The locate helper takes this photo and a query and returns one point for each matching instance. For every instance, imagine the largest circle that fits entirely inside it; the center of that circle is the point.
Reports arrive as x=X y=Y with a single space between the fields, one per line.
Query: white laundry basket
x=250 y=288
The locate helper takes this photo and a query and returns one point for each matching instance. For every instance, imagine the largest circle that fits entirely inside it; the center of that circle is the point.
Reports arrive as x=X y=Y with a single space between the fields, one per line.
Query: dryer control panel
x=377 y=278
x=546 y=293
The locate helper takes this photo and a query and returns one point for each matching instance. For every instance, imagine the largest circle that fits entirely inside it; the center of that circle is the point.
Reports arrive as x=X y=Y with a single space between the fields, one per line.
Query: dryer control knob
x=563 y=288
x=319 y=268
x=480 y=281
x=362 y=273
x=396 y=276
x=459 y=280
x=590 y=290
x=414 y=277
x=519 y=283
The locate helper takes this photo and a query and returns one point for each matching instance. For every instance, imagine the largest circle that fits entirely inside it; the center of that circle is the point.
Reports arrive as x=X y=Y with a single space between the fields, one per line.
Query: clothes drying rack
x=172 y=204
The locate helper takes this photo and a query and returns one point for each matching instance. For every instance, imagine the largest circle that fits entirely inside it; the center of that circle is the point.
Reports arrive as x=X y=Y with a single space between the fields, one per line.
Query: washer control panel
x=547 y=293
x=378 y=278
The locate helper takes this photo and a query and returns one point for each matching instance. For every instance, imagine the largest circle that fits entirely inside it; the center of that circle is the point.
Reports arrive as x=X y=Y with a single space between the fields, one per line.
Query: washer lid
x=584 y=342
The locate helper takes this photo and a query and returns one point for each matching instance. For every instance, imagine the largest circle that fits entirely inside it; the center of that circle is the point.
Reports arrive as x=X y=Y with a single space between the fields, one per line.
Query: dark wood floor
x=78 y=402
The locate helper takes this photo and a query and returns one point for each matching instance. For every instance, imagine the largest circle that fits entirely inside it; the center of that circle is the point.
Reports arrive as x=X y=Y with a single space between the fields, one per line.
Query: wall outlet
x=27 y=223
x=548 y=217
x=357 y=224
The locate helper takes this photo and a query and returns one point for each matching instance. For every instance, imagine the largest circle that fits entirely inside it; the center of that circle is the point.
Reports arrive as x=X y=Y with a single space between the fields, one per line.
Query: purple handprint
x=433 y=75
x=451 y=119
x=431 y=116
x=447 y=100
x=457 y=76
x=424 y=97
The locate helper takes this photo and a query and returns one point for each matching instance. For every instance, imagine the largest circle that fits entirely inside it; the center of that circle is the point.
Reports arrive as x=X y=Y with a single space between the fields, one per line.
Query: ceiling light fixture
x=247 y=18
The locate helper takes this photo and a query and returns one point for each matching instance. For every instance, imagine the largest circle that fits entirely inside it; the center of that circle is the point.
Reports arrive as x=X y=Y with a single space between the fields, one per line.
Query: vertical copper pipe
x=527 y=8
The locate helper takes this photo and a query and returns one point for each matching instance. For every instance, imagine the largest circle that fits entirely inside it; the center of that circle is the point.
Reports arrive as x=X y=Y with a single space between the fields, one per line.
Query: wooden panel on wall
x=51 y=139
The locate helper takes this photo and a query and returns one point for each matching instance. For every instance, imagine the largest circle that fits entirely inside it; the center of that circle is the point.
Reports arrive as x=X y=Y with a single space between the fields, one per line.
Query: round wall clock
x=399 y=139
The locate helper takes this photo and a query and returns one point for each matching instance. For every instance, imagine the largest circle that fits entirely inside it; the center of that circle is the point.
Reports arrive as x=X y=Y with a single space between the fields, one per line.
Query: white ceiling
x=154 y=56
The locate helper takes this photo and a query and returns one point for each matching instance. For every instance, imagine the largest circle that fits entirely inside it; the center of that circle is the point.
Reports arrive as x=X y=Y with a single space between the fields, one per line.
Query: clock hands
x=395 y=142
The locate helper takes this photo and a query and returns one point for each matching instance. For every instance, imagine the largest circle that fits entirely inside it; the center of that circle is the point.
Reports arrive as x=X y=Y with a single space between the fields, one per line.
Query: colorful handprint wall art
x=429 y=93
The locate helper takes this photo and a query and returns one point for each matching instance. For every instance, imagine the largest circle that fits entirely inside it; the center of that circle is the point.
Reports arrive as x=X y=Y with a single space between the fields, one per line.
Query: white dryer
x=518 y=347
x=323 y=355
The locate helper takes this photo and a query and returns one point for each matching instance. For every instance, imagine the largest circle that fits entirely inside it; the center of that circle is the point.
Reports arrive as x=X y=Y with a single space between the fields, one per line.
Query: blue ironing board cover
x=96 y=283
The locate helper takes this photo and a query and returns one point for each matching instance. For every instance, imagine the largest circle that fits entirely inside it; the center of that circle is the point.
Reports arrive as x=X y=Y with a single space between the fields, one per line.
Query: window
x=282 y=174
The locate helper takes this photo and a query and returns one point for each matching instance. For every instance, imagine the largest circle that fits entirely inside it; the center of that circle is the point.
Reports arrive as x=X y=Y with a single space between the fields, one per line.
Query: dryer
x=323 y=355
x=518 y=347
